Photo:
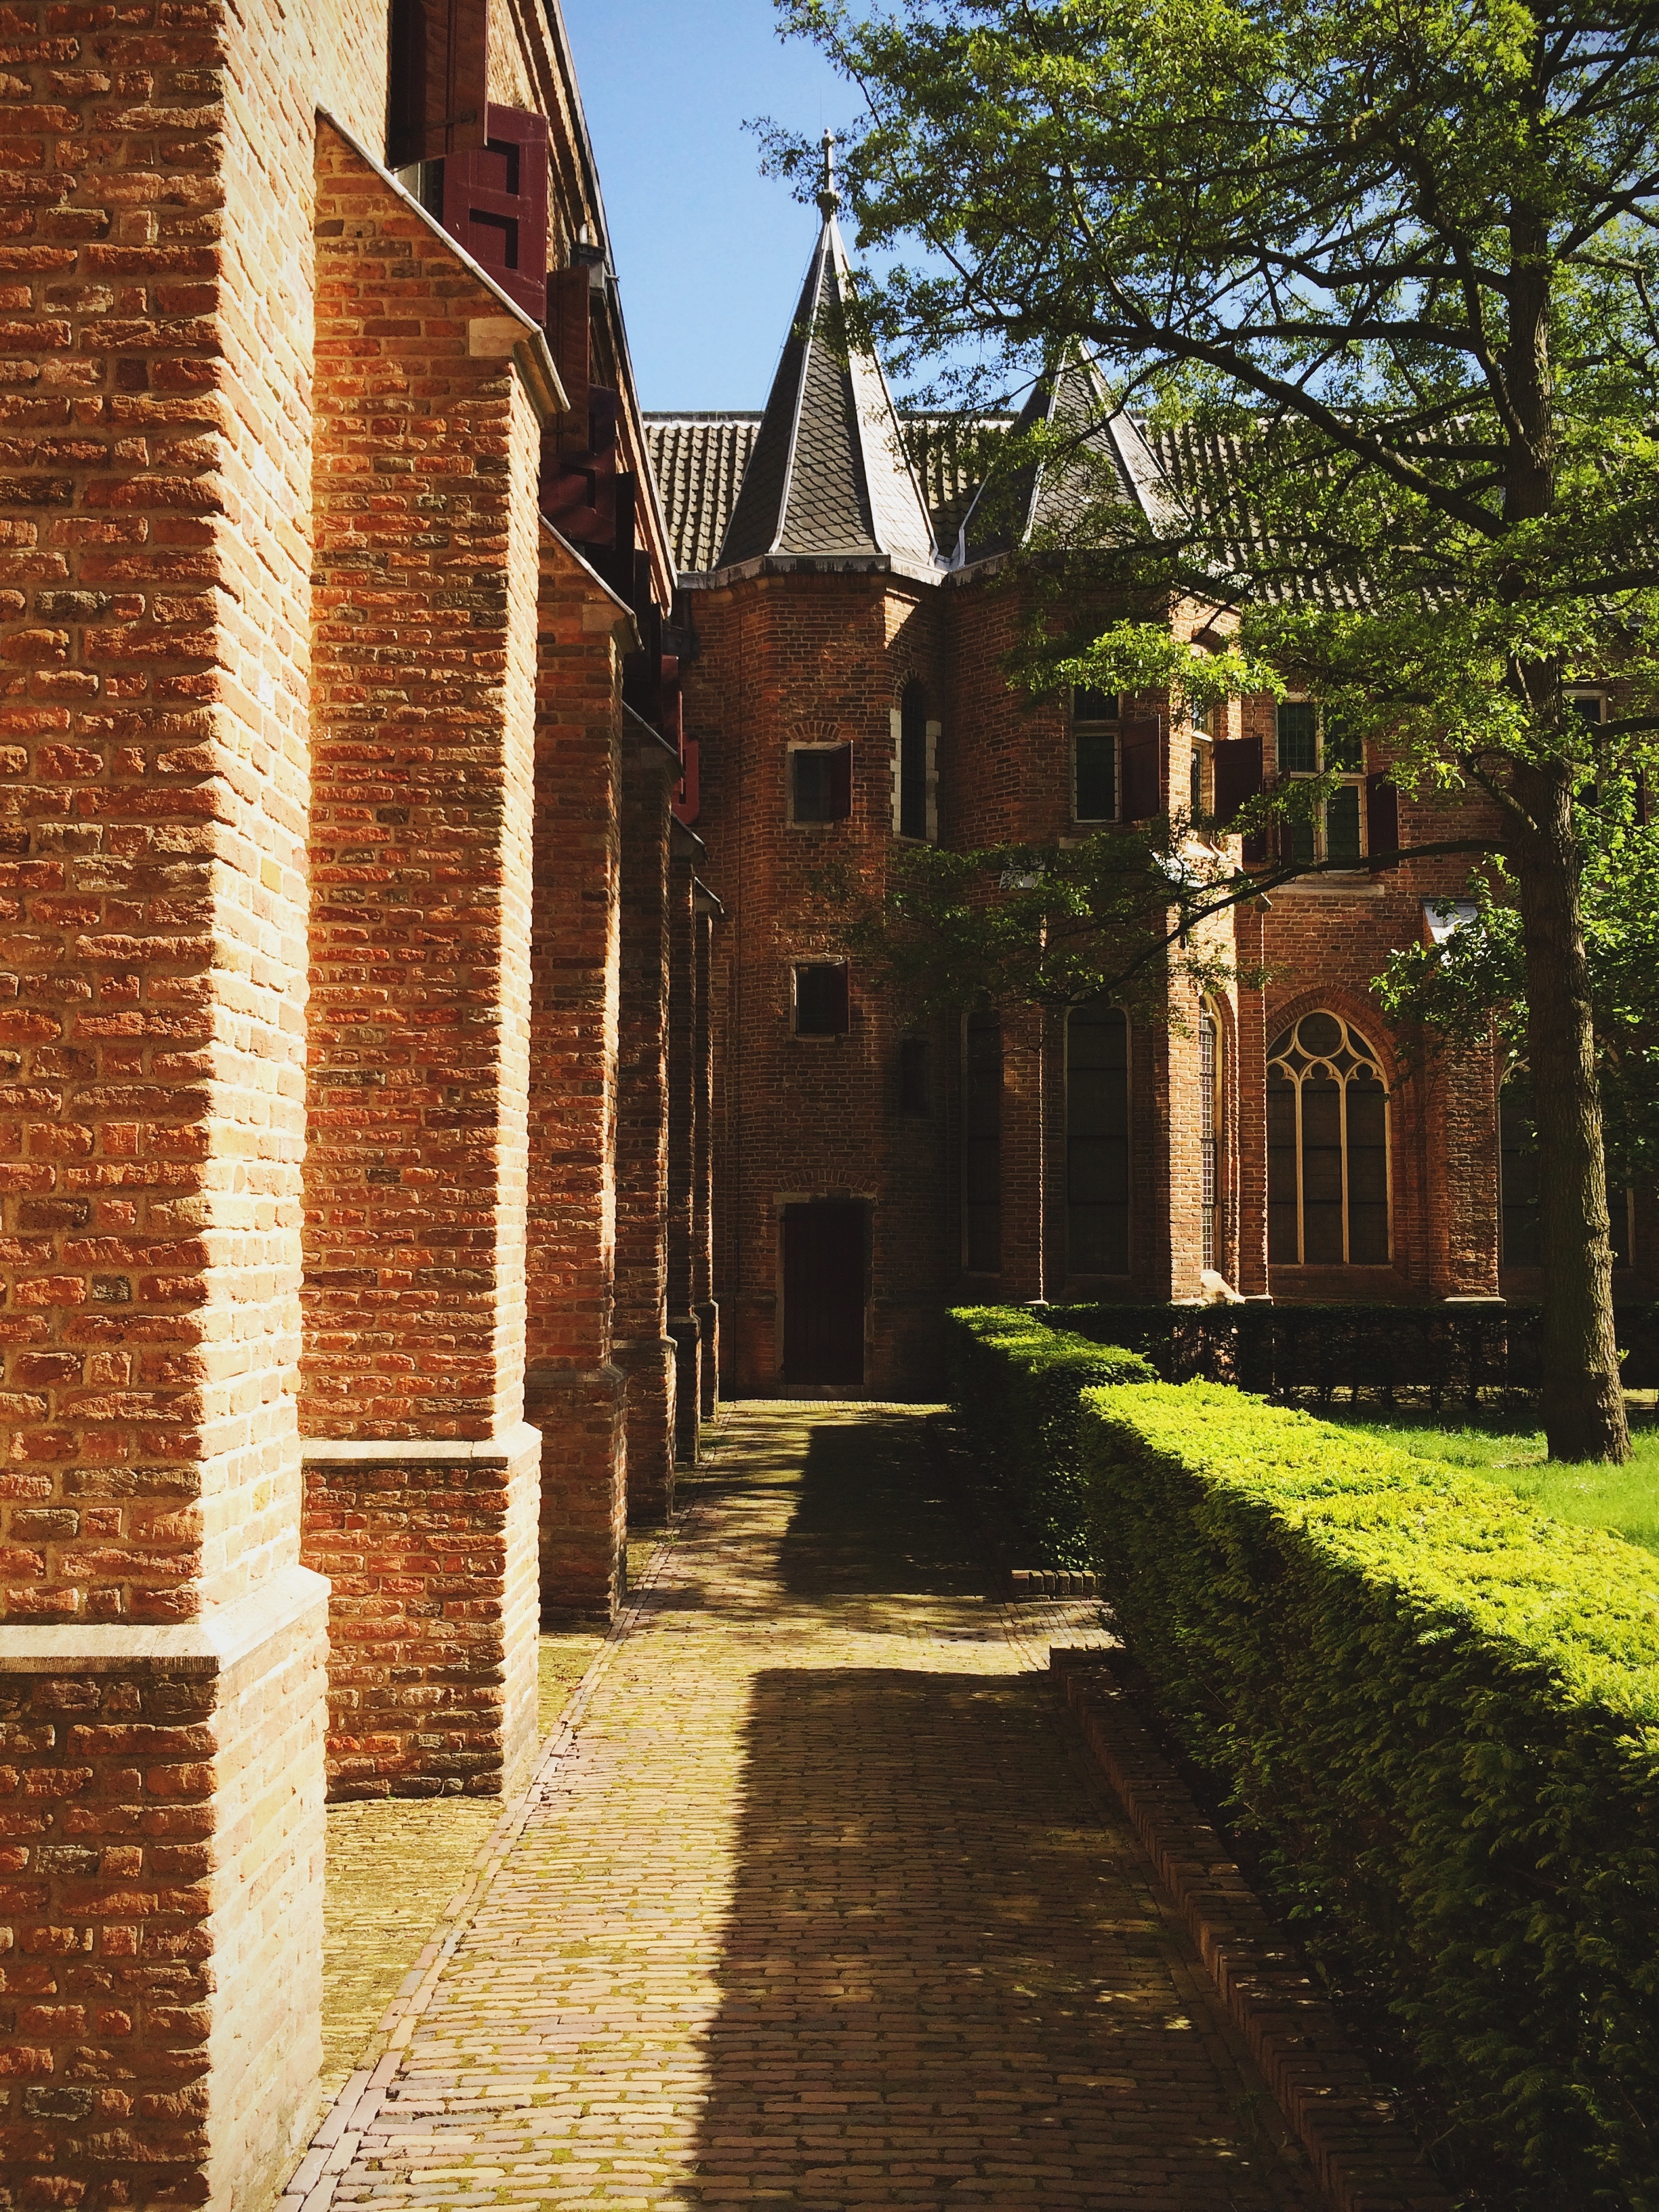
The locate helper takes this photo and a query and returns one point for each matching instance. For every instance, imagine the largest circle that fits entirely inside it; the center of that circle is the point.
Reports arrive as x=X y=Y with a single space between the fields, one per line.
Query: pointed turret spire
x=828 y=475
x=829 y=198
x=1045 y=497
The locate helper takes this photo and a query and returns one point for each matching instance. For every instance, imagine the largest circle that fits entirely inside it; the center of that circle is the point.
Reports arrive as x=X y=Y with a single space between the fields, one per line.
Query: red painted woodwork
x=495 y=205
x=436 y=105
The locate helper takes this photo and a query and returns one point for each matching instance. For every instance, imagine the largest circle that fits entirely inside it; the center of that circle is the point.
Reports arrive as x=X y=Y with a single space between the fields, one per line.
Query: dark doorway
x=824 y=1293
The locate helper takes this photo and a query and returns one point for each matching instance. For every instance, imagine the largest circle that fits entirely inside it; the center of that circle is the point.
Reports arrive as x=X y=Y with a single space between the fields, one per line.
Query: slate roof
x=1109 y=457
x=698 y=459
x=828 y=474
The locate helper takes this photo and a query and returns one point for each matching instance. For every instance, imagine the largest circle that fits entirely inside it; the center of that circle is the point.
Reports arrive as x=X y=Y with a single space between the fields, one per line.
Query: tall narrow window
x=1095 y=731
x=1517 y=1172
x=1311 y=742
x=1210 y=1122
x=1328 y=1147
x=913 y=763
x=981 y=1177
x=1098 y=1139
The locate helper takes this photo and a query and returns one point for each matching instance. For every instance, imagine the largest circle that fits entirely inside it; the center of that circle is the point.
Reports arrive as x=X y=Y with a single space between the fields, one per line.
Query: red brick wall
x=811 y=658
x=683 y=1325
x=423 y=1546
x=644 y=1350
x=573 y=1391
x=427 y=448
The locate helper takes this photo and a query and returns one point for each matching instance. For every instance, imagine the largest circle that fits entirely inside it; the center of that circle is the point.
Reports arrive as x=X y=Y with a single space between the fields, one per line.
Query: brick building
x=851 y=600
x=354 y=1035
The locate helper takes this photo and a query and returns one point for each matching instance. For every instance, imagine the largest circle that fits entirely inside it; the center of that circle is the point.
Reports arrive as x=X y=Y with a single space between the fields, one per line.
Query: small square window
x=821 y=780
x=821 y=998
x=915 y=1077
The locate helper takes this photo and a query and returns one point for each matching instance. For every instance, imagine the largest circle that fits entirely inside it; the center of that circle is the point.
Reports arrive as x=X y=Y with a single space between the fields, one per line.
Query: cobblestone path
x=822 y=1907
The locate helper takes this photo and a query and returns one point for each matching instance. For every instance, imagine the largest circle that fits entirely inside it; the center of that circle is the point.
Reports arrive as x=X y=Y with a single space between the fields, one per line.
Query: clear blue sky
x=710 y=253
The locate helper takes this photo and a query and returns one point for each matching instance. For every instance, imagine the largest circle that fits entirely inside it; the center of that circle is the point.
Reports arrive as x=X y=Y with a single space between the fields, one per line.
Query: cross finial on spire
x=829 y=198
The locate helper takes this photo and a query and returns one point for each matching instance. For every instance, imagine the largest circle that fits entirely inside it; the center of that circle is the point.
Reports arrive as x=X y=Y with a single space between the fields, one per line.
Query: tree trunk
x=1583 y=1396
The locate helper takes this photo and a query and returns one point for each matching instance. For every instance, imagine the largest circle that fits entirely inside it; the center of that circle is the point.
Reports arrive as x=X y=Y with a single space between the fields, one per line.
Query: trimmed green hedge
x=1435 y=1712
x=1015 y=1385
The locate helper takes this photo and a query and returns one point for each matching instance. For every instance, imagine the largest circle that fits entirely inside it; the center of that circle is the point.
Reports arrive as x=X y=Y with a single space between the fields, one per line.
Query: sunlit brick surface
x=823 y=1909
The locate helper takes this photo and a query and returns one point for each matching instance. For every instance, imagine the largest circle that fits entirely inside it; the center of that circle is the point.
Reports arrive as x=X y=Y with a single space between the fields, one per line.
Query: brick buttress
x=422 y=1476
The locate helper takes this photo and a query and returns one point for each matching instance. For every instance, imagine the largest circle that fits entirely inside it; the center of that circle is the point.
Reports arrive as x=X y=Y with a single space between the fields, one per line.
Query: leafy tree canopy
x=1381 y=275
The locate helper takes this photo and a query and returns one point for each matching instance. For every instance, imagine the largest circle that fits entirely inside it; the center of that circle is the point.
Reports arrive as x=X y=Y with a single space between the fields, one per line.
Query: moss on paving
x=395 y=1863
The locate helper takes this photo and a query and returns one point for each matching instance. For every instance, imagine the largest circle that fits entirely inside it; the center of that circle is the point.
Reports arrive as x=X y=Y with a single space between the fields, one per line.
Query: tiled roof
x=698 y=461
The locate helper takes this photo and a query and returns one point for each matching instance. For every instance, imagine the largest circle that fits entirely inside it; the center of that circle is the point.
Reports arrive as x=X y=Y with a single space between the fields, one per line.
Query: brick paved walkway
x=822 y=1907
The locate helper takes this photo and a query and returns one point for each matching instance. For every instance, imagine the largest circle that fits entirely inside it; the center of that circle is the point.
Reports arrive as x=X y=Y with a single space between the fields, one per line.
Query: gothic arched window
x=1098 y=1139
x=1328 y=1147
x=1211 y=1122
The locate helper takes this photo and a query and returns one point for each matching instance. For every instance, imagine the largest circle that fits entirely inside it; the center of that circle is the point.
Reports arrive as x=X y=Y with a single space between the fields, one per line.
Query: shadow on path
x=944 y=1979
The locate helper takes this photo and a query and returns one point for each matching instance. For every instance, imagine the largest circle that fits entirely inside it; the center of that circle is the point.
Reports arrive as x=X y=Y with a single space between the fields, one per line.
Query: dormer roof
x=829 y=477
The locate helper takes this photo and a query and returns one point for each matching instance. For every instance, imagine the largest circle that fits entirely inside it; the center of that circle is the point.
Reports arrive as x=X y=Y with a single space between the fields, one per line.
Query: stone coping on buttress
x=517 y=1444
x=216 y=1642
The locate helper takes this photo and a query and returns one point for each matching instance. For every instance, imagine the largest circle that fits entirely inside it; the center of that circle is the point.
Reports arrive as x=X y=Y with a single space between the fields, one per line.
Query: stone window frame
x=932 y=732
x=1355 y=1045
x=1212 y=1133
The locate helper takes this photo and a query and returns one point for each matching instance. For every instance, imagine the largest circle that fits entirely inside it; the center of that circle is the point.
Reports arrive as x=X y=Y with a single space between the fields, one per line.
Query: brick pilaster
x=703 y=1303
x=573 y=1391
x=685 y=1325
x=644 y=1350
x=426 y=454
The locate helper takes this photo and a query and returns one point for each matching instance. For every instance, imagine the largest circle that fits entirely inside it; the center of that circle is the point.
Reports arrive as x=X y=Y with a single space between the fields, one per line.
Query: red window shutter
x=1142 y=795
x=495 y=205
x=1381 y=815
x=1238 y=764
x=841 y=783
x=579 y=487
x=436 y=81
x=570 y=337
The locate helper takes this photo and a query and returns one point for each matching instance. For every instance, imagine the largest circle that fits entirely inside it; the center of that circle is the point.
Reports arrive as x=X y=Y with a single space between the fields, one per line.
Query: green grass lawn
x=1622 y=1498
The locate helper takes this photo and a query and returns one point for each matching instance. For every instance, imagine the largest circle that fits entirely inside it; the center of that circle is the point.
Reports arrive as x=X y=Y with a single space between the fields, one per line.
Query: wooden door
x=824 y=1293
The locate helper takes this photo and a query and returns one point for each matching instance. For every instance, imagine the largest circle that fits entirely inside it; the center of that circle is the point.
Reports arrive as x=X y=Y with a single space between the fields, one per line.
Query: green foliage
x=1475 y=980
x=1016 y=1386
x=1049 y=926
x=1385 y=279
x=1624 y=1499
x=1435 y=1713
